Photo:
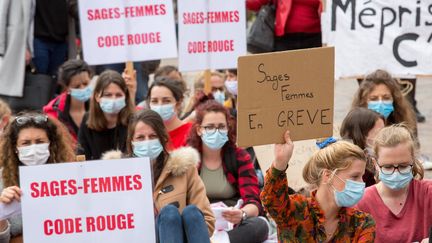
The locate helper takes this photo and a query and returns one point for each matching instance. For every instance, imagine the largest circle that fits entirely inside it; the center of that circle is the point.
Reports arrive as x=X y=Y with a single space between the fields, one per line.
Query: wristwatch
x=244 y=215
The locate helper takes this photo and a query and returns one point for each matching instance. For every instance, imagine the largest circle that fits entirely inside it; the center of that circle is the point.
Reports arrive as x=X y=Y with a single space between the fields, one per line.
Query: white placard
x=98 y=201
x=212 y=34
x=116 y=31
x=393 y=35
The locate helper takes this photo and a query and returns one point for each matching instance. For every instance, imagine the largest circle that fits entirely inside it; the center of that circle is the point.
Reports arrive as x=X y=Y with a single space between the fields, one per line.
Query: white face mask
x=36 y=154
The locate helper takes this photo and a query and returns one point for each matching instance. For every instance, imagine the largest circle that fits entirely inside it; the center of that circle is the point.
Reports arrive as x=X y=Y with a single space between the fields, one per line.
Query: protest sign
x=212 y=34
x=368 y=35
x=129 y=30
x=285 y=90
x=98 y=201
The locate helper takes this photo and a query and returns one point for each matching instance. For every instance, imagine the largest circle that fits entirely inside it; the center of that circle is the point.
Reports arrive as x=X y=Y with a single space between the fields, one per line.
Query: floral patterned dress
x=300 y=218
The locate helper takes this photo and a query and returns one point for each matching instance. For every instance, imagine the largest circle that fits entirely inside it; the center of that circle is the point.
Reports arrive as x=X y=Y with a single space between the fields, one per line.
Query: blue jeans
x=48 y=56
x=190 y=226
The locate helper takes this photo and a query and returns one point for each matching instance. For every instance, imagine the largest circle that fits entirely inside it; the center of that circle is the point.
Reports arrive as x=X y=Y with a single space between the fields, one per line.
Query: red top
x=411 y=224
x=304 y=17
x=304 y=20
x=179 y=135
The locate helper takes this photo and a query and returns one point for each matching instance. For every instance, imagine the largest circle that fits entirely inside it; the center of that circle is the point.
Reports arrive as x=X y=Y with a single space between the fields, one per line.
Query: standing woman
x=71 y=105
x=105 y=126
x=228 y=172
x=182 y=208
x=401 y=202
x=165 y=97
x=327 y=216
x=30 y=139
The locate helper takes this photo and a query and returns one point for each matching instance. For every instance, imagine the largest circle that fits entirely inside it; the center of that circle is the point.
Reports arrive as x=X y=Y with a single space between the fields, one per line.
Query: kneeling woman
x=183 y=210
x=336 y=171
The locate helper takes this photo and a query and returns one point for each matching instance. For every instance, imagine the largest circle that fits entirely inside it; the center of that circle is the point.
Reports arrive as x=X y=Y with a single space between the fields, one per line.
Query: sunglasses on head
x=38 y=119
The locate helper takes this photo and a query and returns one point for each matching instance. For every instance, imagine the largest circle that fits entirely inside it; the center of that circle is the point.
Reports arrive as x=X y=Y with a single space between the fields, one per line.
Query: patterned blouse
x=300 y=218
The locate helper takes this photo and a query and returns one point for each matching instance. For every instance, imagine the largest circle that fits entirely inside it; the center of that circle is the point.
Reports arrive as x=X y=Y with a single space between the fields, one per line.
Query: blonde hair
x=339 y=155
x=4 y=109
x=394 y=135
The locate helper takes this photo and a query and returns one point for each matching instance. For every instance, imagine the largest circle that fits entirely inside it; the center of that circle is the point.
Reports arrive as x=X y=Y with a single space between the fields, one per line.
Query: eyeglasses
x=390 y=169
x=38 y=119
x=212 y=129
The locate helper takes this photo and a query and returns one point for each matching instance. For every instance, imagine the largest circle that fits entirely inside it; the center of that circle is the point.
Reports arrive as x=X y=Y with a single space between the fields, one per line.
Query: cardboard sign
x=368 y=35
x=212 y=34
x=281 y=91
x=98 y=201
x=129 y=30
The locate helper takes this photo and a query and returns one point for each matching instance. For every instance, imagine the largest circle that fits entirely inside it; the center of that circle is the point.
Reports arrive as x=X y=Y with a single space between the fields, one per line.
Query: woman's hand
x=283 y=153
x=233 y=216
x=425 y=240
x=10 y=193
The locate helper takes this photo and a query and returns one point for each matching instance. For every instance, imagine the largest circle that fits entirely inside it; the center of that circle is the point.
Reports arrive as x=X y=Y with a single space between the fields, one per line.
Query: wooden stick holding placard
x=207 y=83
x=132 y=84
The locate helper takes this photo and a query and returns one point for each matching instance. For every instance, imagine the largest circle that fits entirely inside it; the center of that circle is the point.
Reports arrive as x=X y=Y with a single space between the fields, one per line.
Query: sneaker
x=420 y=117
x=426 y=162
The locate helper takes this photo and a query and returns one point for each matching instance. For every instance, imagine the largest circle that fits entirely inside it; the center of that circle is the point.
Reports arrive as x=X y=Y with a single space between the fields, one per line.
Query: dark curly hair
x=60 y=145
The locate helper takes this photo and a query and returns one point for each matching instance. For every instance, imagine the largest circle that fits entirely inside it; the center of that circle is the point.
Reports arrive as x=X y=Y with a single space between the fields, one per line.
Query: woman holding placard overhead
x=182 y=209
x=105 y=126
x=30 y=139
x=327 y=215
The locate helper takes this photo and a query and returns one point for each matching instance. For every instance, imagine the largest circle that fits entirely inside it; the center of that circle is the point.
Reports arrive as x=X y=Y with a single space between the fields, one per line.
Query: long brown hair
x=96 y=119
x=403 y=111
x=152 y=119
x=60 y=145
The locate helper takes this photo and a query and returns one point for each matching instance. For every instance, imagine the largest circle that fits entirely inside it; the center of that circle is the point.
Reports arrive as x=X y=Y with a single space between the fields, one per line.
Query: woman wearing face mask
x=71 y=105
x=5 y=115
x=105 y=126
x=401 y=202
x=30 y=139
x=228 y=172
x=361 y=125
x=380 y=92
x=165 y=97
x=181 y=205
x=336 y=172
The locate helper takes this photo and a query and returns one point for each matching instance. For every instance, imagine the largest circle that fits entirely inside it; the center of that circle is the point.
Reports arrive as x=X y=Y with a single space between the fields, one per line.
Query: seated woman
x=228 y=172
x=105 y=126
x=71 y=105
x=182 y=208
x=401 y=202
x=336 y=171
x=380 y=92
x=361 y=126
x=30 y=139
x=165 y=97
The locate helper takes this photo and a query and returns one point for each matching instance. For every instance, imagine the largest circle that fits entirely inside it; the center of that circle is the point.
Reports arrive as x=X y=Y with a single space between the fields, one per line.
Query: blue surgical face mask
x=351 y=194
x=232 y=86
x=219 y=96
x=82 y=95
x=112 y=106
x=396 y=180
x=215 y=140
x=148 y=148
x=385 y=107
x=165 y=111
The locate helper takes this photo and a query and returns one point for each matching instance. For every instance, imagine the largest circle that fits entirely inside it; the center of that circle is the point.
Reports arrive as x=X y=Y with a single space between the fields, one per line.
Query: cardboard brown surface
x=285 y=90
